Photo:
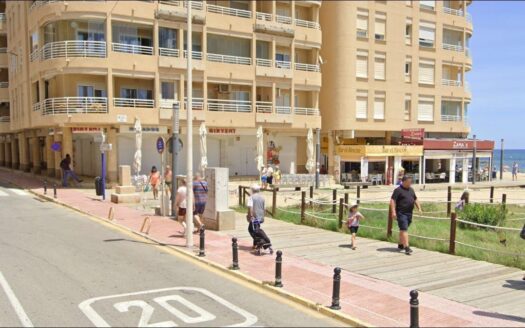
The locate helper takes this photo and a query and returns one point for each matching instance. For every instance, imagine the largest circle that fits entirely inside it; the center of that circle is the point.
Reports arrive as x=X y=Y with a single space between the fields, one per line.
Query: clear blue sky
x=497 y=79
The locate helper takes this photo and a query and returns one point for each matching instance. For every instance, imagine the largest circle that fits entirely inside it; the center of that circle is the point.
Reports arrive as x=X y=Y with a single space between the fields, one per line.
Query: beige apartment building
x=77 y=68
x=394 y=68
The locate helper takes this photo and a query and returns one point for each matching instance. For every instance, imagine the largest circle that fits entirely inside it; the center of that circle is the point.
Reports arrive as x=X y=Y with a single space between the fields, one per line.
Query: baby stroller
x=260 y=239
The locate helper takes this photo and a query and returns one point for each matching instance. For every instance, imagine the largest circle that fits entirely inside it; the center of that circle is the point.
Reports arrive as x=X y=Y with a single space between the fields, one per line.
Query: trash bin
x=98 y=186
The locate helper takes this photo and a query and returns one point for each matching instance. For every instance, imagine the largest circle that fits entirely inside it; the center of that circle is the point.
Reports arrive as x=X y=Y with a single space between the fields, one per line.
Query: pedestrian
x=277 y=175
x=168 y=178
x=354 y=218
x=269 y=175
x=200 y=193
x=180 y=202
x=463 y=200
x=154 y=181
x=67 y=171
x=402 y=207
x=263 y=177
x=255 y=217
x=515 y=170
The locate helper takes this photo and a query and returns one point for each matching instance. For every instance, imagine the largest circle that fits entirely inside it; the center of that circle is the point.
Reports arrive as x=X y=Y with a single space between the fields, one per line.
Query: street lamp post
x=501 y=160
x=189 y=132
x=175 y=153
x=317 y=157
x=474 y=160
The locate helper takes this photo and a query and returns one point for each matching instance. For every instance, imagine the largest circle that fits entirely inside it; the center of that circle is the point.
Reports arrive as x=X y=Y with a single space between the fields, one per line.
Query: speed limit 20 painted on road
x=170 y=307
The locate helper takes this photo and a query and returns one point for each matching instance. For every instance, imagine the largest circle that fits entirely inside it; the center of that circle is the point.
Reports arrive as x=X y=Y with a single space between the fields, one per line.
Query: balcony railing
x=286 y=110
x=469 y=17
x=169 y=103
x=169 y=52
x=73 y=48
x=263 y=16
x=362 y=33
x=225 y=105
x=283 y=19
x=4 y=84
x=36 y=106
x=451 y=83
x=74 y=105
x=263 y=106
x=134 y=103
x=451 y=118
x=229 y=11
x=132 y=49
x=2 y=17
x=196 y=103
x=307 y=67
x=35 y=55
x=229 y=59
x=306 y=111
x=263 y=62
x=197 y=55
x=39 y=3
x=283 y=64
x=199 y=5
x=307 y=24
x=453 y=47
x=452 y=11
x=5 y=119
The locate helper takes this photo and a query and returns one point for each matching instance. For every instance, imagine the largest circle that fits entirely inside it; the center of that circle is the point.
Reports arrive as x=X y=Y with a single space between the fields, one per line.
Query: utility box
x=217 y=215
x=98 y=186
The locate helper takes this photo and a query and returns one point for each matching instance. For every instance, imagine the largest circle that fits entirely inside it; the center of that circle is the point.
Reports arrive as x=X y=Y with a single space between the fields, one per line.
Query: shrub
x=484 y=214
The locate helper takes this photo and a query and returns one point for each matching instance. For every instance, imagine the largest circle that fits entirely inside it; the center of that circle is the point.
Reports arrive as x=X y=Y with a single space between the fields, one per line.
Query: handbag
x=522 y=234
x=147 y=188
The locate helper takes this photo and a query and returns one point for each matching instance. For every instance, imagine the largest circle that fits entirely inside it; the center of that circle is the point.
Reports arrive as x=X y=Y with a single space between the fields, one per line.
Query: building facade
x=77 y=68
x=392 y=67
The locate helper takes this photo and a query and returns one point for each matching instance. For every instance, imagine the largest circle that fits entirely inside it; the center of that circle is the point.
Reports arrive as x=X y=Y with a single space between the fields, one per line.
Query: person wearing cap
x=402 y=205
x=354 y=217
x=256 y=208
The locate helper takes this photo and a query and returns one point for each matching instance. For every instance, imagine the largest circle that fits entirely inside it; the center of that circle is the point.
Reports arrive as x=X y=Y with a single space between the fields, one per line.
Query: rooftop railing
x=74 y=105
x=71 y=48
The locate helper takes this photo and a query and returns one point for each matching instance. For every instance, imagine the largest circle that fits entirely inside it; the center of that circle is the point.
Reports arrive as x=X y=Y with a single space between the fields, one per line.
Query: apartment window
x=131 y=93
x=425 y=109
x=362 y=64
x=34 y=41
x=427 y=34
x=85 y=91
x=379 y=105
x=361 y=104
x=408 y=31
x=427 y=4
x=167 y=38
x=167 y=90
x=426 y=71
x=379 y=66
x=362 y=23
x=380 y=26
x=408 y=107
x=408 y=3
x=451 y=110
x=408 y=69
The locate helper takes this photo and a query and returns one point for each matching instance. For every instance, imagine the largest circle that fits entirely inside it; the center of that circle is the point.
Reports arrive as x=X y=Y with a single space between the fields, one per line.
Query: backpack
x=63 y=164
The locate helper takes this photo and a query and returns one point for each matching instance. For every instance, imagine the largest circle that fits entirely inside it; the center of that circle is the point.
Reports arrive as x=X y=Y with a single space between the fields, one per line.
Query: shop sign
x=121 y=118
x=86 y=130
x=417 y=134
x=457 y=144
x=222 y=131
x=384 y=150
x=147 y=129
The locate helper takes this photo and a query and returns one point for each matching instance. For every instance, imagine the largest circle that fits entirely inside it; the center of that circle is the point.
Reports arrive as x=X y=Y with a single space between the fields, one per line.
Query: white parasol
x=137 y=158
x=204 y=148
x=310 y=162
x=260 y=149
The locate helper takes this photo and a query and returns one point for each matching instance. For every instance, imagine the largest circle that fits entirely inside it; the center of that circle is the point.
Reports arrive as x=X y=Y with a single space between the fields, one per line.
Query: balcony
x=451 y=83
x=36 y=106
x=263 y=107
x=453 y=47
x=283 y=64
x=169 y=104
x=263 y=62
x=263 y=16
x=229 y=11
x=452 y=11
x=306 y=111
x=451 y=118
x=196 y=103
x=198 y=5
x=283 y=110
x=197 y=55
x=66 y=49
x=283 y=19
x=74 y=105
x=168 y=52
x=132 y=49
x=307 y=67
x=229 y=59
x=133 y=103
x=307 y=24
x=226 y=105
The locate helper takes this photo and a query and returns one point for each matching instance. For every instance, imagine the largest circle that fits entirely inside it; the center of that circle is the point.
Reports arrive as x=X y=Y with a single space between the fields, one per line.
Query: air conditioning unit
x=224 y=88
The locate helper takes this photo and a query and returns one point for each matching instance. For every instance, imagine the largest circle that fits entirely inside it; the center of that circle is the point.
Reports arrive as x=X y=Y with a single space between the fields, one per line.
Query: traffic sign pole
x=161 y=145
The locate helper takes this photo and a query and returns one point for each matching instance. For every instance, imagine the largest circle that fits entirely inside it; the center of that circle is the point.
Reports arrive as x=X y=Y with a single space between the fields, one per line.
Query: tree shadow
x=515 y=284
x=500 y=316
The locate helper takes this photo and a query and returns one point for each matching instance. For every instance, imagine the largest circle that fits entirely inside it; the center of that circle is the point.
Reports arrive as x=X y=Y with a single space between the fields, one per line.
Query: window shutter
x=362 y=23
x=427 y=33
x=428 y=3
x=425 y=109
x=362 y=66
x=379 y=68
x=361 y=107
x=426 y=73
x=379 y=27
x=379 y=108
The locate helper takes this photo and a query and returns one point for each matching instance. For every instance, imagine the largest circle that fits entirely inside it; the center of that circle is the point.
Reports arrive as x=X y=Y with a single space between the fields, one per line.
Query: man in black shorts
x=402 y=207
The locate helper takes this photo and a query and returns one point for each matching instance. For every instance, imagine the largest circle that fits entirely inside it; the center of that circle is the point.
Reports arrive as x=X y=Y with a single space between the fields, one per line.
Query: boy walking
x=354 y=217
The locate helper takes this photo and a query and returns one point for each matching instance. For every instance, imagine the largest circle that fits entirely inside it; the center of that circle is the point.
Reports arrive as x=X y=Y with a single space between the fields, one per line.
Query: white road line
x=19 y=192
x=24 y=319
x=3 y=194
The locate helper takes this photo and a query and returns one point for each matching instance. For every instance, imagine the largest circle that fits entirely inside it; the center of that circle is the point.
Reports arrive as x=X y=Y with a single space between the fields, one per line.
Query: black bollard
x=202 y=252
x=55 y=190
x=278 y=269
x=235 y=253
x=45 y=187
x=414 y=309
x=336 y=289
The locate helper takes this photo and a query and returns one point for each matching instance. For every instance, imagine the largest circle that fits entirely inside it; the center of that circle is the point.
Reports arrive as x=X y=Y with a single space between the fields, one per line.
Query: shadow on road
x=135 y=241
x=500 y=316
x=515 y=284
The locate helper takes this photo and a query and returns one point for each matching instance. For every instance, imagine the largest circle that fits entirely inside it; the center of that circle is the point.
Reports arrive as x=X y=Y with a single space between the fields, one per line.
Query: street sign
x=106 y=147
x=55 y=146
x=179 y=146
x=160 y=145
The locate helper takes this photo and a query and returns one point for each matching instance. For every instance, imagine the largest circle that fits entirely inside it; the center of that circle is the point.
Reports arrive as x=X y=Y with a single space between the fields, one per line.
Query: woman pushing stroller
x=255 y=217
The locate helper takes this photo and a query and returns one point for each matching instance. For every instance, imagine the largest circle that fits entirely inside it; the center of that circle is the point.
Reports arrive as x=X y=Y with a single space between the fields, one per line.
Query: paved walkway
x=375 y=282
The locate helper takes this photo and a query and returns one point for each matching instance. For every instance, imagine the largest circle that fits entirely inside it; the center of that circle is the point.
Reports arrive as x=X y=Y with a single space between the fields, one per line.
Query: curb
x=189 y=256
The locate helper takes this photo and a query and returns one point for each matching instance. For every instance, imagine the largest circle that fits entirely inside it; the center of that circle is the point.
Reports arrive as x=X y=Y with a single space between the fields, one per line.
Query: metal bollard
x=235 y=254
x=45 y=187
x=278 y=269
x=336 y=289
x=414 y=309
x=55 y=190
x=202 y=252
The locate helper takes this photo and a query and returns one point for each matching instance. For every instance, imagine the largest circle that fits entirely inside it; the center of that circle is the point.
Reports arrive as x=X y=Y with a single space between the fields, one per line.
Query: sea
x=509 y=157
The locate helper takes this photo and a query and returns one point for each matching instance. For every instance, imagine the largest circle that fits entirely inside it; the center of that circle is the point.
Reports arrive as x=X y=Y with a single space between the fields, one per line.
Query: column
x=112 y=156
x=420 y=167
x=7 y=152
x=272 y=50
x=2 y=152
x=464 y=176
x=331 y=152
x=15 y=156
x=182 y=87
x=67 y=143
x=50 y=156
x=109 y=89
x=452 y=171
x=274 y=10
x=423 y=169
x=35 y=154
x=274 y=92
x=155 y=37
x=23 y=153
x=57 y=155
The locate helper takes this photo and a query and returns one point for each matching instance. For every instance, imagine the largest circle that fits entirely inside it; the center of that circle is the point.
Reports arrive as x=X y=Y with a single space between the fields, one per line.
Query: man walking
x=200 y=193
x=67 y=172
x=515 y=170
x=255 y=217
x=402 y=207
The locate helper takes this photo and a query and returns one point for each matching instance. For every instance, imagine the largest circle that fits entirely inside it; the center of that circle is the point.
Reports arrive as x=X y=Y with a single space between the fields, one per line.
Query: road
x=61 y=268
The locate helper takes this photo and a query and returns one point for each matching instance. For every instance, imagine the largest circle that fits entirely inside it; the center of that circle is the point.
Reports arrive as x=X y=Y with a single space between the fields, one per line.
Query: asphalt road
x=60 y=268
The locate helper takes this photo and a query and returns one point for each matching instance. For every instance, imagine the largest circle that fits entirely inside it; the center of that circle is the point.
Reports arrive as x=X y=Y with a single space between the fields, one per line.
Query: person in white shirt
x=180 y=201
x=269 y=175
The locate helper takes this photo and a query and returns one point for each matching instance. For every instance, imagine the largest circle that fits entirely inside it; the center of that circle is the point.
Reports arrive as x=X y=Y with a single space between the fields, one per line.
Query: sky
x=497 y=78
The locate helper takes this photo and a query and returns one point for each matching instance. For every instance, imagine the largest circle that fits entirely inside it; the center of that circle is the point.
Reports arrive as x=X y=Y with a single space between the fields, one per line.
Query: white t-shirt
x=269 y=172
x=181 y=192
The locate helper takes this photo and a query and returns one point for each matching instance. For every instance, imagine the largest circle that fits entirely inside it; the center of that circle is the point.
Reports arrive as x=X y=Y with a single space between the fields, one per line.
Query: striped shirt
x=200 y=191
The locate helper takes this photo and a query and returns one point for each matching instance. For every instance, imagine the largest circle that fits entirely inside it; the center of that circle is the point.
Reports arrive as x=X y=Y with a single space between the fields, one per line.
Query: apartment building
x=77 y=68
x=395 y=73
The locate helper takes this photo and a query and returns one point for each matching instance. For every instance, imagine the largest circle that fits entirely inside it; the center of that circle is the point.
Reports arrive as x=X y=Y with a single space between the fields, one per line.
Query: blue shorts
x=263 y=179
x=199 y=209
x=404 y=220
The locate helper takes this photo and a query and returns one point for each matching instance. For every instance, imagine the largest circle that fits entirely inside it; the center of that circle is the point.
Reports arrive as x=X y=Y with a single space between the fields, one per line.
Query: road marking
x=3 y=194
x=24 y=319
x=147 y=310
x=19 y=192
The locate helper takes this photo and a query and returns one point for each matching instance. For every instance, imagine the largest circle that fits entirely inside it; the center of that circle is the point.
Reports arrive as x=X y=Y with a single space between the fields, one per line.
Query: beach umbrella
x=204 y=148
x=260 y=149
x=310 y=161
x=137 y=158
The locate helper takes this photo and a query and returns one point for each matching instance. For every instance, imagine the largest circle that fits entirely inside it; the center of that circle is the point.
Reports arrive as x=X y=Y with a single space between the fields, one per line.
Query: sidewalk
x=375 y=301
